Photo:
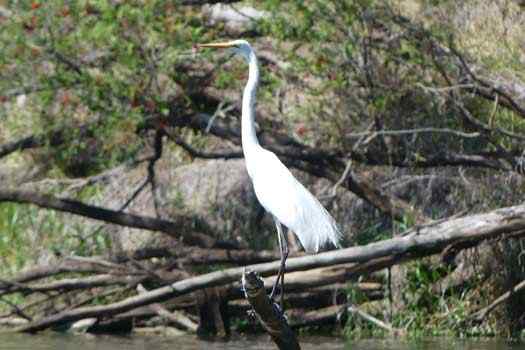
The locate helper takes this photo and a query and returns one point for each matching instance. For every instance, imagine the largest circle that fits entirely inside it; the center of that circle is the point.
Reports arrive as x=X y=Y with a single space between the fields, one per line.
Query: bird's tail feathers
x=321 y=232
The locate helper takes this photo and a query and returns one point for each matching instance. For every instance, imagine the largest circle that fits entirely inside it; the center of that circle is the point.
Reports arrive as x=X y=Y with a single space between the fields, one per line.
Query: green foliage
x=96 y=63
x=14 y=243
x=372 y=233
x=426 y=311
x=27 y=232
x=429 y=313
x=361 y=62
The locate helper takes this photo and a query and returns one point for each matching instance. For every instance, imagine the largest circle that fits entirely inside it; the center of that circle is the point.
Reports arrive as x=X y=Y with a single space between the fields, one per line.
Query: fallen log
x=321 y=316
x=110 y=263
x=67 y=284
x=307 y=280
x=47 y=271
x=418 y=242
x=317 y=297
x=197 y=256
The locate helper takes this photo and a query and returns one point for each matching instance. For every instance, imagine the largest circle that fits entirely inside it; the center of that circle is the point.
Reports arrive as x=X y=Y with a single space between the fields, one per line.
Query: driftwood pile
x=151 y=287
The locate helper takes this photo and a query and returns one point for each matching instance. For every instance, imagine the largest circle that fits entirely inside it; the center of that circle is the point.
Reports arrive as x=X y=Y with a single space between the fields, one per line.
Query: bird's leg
x=283 y=247
x=283 y=267
x=279 y=229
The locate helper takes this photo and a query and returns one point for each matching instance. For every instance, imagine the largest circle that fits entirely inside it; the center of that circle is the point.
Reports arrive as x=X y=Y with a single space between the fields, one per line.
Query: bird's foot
x=278 y=307
x=252 y=316
x=278 y=303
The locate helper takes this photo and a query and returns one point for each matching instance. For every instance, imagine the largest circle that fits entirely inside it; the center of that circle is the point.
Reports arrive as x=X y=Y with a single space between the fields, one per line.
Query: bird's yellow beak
x=216 y=45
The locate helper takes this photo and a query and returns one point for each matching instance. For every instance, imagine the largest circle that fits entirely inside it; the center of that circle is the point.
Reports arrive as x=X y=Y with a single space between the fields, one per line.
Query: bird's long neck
x=249 y=136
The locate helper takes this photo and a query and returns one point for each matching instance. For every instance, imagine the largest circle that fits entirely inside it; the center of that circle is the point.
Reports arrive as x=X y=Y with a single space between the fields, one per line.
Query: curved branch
x=54 y=137
x=21 y=144
x=177 y=229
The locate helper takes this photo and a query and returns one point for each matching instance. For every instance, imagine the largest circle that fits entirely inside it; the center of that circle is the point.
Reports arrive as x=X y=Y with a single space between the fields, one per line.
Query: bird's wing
x=276 y=188
x=281 y=194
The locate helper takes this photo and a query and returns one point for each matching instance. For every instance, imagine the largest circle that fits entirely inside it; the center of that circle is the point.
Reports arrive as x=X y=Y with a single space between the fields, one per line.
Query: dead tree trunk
x=271 y=317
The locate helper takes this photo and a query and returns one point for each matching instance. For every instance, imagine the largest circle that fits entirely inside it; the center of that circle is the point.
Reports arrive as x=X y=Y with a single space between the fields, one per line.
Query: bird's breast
x=277 y=197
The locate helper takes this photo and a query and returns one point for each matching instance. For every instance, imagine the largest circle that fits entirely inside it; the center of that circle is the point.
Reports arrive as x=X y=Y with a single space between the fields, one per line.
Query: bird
x=276 y=188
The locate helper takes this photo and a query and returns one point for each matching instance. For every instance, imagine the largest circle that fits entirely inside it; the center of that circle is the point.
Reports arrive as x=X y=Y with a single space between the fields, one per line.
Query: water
x=89 y=342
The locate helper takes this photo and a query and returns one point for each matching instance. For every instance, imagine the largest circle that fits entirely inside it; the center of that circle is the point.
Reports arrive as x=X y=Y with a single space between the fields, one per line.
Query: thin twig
x=481 y=314
x=219 y=112
x=171 y=228
x=381 y=324
x=16 y=309
x=446 y=88
x=494 y=90
x=205 y=155
x=414 y=131
x=174 y=316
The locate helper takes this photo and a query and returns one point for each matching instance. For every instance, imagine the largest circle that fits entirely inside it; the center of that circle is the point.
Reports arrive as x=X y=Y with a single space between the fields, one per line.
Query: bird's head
x=240 y=47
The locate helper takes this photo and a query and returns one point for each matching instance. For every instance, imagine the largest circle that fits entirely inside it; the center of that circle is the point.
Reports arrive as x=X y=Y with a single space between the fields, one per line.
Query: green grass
x=426 y=312
x=29 y=234
x=27 y=231
x=15 y=245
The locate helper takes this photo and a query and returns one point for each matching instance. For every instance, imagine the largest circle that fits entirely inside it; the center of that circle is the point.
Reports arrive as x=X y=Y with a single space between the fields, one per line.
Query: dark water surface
x=88 y=342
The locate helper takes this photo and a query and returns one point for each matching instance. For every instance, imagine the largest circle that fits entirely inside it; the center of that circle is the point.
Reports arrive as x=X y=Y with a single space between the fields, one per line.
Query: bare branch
x=157 y=147
x=53 y=138
x=480 y=315
x=44 y=272
x=204 y=155
x=271 y=318
x=486 y=89
x=175 y=229
x=23 y=143
x=415 y=131
x=175 y=316
x=66 y=284
x=388 y=327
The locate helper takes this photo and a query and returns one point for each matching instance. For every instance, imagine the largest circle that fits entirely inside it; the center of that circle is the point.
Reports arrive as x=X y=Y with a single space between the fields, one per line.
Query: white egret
x=278 y=191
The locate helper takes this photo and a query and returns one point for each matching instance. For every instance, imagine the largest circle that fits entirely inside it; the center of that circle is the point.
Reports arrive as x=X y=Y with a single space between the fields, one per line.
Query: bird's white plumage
x=282 y=195
x=276 y=188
